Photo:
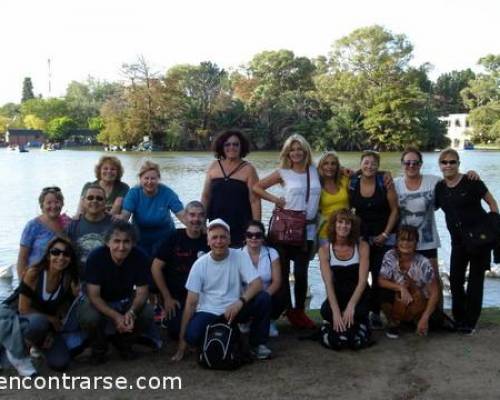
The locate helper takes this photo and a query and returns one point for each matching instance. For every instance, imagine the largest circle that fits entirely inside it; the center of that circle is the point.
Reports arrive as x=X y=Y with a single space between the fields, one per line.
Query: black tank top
x=49 y=306
x=374 y=211
x=230 y=200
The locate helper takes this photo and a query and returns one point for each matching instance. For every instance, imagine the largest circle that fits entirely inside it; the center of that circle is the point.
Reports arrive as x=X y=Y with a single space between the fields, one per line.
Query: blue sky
x=94 y=37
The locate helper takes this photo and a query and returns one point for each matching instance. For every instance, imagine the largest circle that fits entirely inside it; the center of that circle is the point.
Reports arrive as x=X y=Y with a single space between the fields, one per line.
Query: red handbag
x=288 y=227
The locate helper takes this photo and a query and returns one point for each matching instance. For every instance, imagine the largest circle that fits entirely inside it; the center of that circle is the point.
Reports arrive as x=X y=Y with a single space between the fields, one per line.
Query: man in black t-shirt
x=111 y=273
x=173 y=261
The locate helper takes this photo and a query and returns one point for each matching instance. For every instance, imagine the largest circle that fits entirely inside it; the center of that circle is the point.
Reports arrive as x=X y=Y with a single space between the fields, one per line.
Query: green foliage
x=483 y=98
x=377 y=100
x=27 y=90
x=364 y=94
x=446 y=92
x=4 y=123
x=31 y=121
x=58 y=128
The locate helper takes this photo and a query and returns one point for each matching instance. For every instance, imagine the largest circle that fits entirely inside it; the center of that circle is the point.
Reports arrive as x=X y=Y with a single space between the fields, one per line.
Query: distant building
x=24 y=137
x=457 y=126
x=82 y=137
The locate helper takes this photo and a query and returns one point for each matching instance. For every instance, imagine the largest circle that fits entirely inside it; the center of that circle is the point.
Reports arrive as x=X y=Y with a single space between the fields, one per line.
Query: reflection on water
x=22 y=175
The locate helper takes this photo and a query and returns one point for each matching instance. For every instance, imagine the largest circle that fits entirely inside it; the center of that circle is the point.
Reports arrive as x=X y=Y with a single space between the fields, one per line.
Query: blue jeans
x=39 y=327
x=258 y=311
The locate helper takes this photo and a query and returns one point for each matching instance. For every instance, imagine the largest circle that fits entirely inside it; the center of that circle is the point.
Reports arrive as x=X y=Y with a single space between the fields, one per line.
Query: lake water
x=23 y=175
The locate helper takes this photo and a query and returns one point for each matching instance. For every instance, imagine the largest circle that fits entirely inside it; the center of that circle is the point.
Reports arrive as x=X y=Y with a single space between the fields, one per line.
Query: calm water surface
x=23 y=175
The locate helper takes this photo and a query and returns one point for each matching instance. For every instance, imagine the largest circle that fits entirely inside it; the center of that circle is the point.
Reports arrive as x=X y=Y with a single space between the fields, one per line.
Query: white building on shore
x=458 y=131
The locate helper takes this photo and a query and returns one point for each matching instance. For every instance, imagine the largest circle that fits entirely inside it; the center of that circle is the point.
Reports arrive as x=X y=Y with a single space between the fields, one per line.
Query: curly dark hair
x=218 y=144
x=344 y=214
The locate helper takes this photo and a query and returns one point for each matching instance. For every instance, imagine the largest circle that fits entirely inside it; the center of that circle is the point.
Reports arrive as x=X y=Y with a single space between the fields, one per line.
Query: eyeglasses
x=254 y=235
x=96 y=198
x=412 y=163
x=57 y=252
x=233 y=144
x=449 y=162
x=51 y=189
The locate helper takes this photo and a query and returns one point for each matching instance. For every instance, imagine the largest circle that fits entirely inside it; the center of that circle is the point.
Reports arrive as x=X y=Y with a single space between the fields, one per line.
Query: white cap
x=218 y=222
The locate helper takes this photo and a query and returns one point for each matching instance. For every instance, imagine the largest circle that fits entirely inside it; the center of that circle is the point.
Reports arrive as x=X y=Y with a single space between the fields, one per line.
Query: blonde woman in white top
x=295 y=163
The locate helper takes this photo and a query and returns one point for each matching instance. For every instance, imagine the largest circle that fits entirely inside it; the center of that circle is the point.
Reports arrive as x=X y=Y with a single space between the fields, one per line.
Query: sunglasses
x=233 y=144
x=449 y=162
x=51 y=189
x=254 y=235
x=96 y=198
x=412 y=163
x=57 y=252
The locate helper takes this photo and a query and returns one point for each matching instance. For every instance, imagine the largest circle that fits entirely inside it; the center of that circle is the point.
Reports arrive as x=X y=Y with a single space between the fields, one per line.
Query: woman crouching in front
x=45 y=294
x=344 y=269
x=413 y=290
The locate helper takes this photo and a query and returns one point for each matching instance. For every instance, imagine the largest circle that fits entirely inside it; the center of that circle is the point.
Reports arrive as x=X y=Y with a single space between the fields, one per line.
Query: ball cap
x=218 y=222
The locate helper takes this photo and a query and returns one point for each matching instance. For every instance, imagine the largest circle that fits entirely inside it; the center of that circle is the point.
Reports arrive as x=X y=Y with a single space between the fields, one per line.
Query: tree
x=483 y=99
x=58 y=128
x=31 y=121
x=27 y=90
x=376 y=98
x=446 y=92
x=4 y=123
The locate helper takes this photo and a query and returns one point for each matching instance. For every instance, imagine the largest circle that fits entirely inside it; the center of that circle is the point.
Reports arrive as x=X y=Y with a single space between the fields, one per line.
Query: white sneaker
x=35 y=352
x=244 y=327
x=23 y=366
x=273 y=329
x=262 y=352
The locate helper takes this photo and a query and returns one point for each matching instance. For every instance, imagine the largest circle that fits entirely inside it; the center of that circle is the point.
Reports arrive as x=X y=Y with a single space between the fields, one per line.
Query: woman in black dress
x=227 y=192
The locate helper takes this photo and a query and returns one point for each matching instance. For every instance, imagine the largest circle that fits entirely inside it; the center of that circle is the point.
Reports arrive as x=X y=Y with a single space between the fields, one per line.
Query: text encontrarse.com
x=67 y=382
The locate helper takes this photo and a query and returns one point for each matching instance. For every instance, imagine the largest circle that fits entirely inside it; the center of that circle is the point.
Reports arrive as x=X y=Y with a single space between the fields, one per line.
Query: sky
x=95 y=37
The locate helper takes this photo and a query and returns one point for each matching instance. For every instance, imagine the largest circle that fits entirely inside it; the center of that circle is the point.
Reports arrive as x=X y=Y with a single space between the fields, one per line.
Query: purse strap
x=308 y=190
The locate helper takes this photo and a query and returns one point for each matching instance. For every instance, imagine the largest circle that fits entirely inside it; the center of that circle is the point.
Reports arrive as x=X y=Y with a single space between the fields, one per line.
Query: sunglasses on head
x=97 y=198
x=448 y=162
x=254 y=235
x=51 y=189
x=233 y=144
x=57 y=252
x=412 y=163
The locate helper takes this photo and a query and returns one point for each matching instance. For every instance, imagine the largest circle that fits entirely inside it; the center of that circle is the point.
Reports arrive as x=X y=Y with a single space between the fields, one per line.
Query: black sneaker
x=376 y=323
x=392 y=332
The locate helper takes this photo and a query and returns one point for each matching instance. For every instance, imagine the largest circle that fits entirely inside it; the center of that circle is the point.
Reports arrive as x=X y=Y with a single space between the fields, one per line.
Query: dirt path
x=442 y=366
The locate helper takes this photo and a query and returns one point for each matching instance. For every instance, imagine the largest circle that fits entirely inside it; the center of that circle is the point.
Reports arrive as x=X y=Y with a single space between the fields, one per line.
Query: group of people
x=104 y=275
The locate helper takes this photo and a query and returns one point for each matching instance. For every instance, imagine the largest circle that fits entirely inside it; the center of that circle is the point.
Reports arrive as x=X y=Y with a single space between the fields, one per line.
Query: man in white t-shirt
x=214 y=288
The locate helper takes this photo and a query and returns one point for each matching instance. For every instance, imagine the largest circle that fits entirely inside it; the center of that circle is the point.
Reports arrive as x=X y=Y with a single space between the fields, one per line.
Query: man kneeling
x=410 y=286
x=214 y=288
x=112 y=307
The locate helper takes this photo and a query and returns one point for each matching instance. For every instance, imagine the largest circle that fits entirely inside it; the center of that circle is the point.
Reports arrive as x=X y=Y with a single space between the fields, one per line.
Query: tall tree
x=369 y=84
x=483 y=99
x=27 y=90
x=446 y=91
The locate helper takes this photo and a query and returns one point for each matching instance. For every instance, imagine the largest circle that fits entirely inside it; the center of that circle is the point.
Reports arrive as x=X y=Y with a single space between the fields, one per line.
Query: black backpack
x=221 y=348
x=357 y=337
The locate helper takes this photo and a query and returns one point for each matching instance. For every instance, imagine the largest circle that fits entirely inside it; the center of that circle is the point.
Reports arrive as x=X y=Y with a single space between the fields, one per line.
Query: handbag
x=484 y=235
x=288 y=227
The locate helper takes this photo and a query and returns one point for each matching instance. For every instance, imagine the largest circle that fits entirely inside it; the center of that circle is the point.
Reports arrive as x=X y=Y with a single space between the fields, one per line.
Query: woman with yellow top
x=334 y=191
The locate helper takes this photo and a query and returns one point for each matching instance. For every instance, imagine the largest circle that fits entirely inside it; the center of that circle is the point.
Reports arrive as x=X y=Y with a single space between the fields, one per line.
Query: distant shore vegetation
x=363 y=94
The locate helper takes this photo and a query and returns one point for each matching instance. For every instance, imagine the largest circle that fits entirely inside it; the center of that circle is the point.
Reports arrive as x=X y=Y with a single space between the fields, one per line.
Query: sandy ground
x=441 y=366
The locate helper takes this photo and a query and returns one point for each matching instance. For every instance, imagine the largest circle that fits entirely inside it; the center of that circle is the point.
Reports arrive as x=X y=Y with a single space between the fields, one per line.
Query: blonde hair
x=323 y=159
x=287 y=146
x=149 y=166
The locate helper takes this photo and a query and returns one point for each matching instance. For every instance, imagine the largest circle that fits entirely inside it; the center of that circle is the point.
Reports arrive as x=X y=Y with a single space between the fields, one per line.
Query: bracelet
x=132 y=313
x=243 y=300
